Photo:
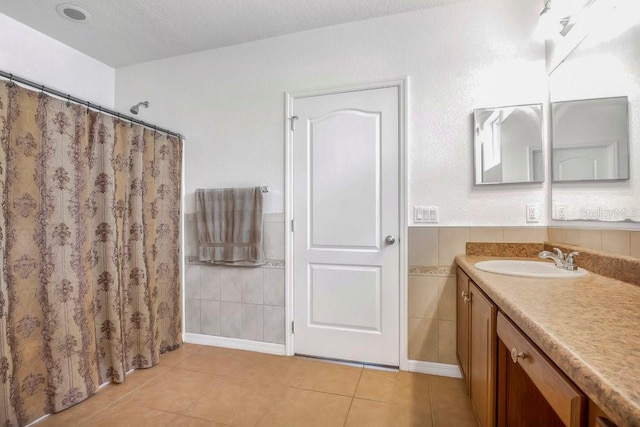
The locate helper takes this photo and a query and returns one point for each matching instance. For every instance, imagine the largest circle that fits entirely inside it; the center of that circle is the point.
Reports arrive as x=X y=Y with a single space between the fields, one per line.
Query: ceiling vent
x=72 y=12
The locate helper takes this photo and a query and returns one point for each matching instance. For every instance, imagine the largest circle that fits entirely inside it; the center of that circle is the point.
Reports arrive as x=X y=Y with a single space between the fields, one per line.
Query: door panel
x=336 y=289
x=585 y=163
x=345 y=201
x=344 y=163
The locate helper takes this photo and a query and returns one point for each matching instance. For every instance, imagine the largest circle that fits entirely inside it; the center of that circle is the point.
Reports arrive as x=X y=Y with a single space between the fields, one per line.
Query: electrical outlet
x=425 y=214
x=533 y=213
x=560 y=212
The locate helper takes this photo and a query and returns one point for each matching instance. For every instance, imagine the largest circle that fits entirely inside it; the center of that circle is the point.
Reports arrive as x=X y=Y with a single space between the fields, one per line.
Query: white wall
x=32 y=55
x=230 y=102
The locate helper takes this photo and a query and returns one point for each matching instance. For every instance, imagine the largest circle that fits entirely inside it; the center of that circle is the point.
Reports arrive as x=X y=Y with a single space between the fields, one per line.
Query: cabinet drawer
x=563 y=396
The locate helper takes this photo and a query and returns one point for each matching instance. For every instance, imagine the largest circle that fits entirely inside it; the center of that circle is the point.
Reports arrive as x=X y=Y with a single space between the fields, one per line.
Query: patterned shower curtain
x=89 y=241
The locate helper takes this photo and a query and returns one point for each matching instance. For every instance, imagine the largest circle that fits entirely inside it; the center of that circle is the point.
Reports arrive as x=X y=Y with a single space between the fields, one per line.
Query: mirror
x=604 y=65
x=590 y=140
x=508 y=144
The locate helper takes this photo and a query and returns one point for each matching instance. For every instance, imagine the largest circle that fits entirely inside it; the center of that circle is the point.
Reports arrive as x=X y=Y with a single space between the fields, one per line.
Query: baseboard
x=432 y=368
x=235 y=343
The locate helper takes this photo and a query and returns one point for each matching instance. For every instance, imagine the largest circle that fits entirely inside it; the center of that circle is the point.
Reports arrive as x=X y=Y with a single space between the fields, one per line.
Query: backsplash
x=237 y=302
x=504 y=249
x=615 y=266
x=620 y=242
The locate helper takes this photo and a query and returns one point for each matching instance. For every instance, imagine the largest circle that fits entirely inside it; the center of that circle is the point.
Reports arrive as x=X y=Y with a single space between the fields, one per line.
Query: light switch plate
x=425 y=214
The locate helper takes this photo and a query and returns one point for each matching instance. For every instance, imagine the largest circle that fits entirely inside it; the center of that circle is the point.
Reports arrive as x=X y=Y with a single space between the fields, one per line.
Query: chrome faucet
x=564 y=262
x=558 y=257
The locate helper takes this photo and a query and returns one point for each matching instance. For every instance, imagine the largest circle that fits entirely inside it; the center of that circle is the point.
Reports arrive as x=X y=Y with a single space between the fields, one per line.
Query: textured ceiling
x=125 y=32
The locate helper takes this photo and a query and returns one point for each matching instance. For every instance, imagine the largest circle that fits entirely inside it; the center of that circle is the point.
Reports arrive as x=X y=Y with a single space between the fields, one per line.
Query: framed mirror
x=590 y=139
x=508 y=145
x=605 y=70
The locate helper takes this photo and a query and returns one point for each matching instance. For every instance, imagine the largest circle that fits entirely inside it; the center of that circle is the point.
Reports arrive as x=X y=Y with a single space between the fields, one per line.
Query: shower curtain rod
x=73 y=99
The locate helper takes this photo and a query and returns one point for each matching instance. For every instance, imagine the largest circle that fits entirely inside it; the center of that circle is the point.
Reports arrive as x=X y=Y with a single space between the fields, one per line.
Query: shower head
x=136 y=108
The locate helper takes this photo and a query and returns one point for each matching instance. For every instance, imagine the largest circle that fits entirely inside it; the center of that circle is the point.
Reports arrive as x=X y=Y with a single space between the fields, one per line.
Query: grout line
x=321 y=391
x=353 y=397
x=431 y=411
x=346 y=418
x=358 y=382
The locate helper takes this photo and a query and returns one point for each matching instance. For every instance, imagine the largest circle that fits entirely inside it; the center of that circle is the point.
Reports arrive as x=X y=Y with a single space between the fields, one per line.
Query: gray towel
x=230 y=225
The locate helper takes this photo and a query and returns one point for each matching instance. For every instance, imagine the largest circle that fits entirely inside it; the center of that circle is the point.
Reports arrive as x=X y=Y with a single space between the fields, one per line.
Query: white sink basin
x=541 y=269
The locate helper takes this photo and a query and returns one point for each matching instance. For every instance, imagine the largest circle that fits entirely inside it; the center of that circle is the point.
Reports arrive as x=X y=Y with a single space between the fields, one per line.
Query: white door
x=345 y=203
x=585 y=163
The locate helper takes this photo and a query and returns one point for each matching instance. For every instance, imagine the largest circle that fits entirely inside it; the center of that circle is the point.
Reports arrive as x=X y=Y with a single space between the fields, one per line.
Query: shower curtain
x=89 y=241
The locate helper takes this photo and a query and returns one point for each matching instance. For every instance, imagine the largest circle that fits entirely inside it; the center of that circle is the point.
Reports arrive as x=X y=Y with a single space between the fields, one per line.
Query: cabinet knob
x=515 y=355
x=465 y=296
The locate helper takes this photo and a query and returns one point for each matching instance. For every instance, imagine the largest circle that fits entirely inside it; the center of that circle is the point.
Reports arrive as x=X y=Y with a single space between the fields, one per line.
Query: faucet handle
x=570 y=262
x=560 y=254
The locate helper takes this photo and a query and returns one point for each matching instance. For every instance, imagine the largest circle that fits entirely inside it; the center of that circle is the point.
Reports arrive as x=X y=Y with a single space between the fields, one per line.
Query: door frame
x=402 y=86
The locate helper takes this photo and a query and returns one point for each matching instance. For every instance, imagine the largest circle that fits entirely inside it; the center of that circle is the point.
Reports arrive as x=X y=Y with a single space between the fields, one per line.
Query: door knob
x=389 y=240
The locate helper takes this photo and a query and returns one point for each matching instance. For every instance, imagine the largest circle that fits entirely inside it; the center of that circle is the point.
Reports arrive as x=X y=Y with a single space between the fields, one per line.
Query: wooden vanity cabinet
x=462 y=323
x=482 y=361
x=476 y=347
x=597 y=417
x=532 y=390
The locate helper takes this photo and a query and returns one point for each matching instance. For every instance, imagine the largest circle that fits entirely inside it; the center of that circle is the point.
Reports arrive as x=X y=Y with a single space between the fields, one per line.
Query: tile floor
x=212 y=386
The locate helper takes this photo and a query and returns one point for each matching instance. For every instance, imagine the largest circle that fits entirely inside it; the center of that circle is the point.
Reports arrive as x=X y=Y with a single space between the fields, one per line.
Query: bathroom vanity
x=548 y=352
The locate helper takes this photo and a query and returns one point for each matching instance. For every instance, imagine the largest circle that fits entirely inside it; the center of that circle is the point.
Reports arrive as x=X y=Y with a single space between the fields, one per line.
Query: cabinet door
x=483 y=356
x=462 y=324
x=533 y=391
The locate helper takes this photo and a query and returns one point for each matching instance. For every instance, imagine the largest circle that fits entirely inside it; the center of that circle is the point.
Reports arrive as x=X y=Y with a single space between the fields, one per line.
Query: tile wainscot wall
x=237 y=302
x=248 y=303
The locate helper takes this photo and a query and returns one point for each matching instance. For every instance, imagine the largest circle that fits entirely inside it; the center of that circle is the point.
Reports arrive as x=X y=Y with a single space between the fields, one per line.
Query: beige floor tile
x=448 y=394
x=172 y=358
x=132 y=381
x=270 y=391
x=274 y=370
x=236 y=403
x=369 y=413
x=78 y=413
x=403 y=388
x=222 y=361
x=454 y=418
x=174 y=391
x=306 y=408
x=184 y=421
x=126 y=414
x=325 y=377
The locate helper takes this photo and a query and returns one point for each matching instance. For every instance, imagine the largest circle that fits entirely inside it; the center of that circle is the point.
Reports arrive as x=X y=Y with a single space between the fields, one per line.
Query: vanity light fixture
x=548 y=23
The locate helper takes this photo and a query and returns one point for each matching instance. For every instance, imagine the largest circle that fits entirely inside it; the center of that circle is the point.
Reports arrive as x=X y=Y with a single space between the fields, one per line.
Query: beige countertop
x=589 y=327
